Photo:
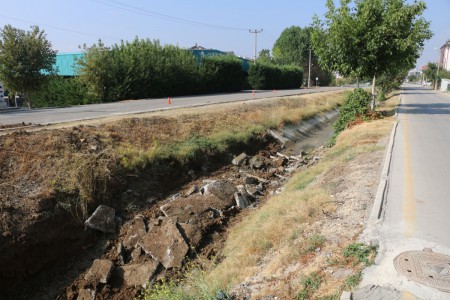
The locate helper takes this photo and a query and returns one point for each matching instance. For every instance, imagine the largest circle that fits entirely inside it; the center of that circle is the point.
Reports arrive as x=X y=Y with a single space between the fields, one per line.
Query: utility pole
x=256 y=31
x=309 y=68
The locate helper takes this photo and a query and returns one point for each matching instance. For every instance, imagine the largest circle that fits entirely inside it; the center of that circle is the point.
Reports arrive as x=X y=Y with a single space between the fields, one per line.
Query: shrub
x=356 y=105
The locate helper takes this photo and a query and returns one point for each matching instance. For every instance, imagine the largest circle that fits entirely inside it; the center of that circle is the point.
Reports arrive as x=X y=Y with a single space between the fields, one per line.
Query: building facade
x=444 y=60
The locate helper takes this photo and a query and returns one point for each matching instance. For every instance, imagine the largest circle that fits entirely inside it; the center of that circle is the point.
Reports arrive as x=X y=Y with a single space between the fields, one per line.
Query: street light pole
x=309 y=67
x=256 y=31
x=437 y=72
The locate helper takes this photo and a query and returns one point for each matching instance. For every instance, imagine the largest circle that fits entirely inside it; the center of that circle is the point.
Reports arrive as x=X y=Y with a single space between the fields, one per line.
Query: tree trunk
x=372 y=105
x=357 y=82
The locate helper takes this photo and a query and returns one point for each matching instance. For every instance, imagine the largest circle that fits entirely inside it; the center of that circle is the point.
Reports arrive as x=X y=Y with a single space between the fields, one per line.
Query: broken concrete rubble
x=165 y=244
x=240 y=159
x=100 y=271
x=135 y=232
x=241 y=200
x=102 y=219
x=137 y=274
x=221 y=189
x=192 y=190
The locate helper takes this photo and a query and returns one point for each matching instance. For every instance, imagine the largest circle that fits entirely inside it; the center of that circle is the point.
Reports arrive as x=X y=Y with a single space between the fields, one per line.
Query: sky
x=222 y=25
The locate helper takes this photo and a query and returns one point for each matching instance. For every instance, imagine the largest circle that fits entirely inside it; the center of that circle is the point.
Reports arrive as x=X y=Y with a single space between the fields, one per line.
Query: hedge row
x=145 y=68
x=268 y=76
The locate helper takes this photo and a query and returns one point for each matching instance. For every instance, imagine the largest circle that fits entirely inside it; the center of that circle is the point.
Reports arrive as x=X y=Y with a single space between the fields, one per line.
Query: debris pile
x=150 y=245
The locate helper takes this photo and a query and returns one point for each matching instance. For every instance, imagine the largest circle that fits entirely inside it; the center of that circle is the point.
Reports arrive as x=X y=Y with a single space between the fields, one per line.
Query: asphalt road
x=93 y=111
x=417 y=211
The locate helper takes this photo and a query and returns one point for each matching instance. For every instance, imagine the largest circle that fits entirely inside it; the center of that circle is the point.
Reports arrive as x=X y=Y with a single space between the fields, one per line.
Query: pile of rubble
x=148 y=247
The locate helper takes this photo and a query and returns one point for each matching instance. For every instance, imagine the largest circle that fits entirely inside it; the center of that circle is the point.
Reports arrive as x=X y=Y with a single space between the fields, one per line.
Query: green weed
x=359 y=252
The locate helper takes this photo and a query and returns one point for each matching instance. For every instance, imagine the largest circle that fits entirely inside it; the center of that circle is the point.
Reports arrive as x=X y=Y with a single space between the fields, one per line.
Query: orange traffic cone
x=168 y=101
x=253 y=93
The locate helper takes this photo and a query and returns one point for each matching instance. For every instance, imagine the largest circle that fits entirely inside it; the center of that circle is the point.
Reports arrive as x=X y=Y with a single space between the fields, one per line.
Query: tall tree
x=26 y=59
x=370 y=37
x=292 y=45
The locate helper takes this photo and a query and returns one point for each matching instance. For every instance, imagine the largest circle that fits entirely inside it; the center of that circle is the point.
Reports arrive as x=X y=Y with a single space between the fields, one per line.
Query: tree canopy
x=369 y=38
x=26 y=58
x=292 y=46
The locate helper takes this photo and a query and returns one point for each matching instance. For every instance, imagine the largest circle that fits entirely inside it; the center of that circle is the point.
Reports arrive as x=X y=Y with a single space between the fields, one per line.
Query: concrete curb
x=380 y=196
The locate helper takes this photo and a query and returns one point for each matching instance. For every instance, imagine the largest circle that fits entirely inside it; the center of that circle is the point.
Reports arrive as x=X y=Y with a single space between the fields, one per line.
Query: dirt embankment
x=52 y=180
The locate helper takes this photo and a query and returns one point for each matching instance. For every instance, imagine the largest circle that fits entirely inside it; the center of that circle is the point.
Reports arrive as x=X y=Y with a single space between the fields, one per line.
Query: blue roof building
x=66 y=63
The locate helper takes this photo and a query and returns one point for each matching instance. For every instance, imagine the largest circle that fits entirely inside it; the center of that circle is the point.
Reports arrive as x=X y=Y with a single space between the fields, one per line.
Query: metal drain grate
x=425 y=267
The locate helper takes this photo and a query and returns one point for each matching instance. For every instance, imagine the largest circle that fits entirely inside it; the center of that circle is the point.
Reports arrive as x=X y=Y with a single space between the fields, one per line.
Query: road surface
x=417 y=211
x=93 y=111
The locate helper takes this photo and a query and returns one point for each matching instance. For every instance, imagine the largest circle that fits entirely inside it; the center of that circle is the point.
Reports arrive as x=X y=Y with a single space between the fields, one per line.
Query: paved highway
x=417 y=211
x=84 y=112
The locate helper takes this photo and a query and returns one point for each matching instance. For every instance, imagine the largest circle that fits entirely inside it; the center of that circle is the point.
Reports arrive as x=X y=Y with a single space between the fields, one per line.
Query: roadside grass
x=277 y=234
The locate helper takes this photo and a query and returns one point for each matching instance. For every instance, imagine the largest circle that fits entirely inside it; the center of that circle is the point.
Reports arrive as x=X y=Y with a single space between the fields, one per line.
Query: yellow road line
x=409 y=201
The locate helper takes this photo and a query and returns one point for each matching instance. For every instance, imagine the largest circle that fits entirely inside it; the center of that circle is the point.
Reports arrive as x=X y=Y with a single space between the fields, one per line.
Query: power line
x=146 y=12
x=56 y=27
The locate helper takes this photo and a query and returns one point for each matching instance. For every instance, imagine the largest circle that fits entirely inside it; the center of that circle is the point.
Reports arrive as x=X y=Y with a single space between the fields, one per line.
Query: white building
x=444 y=60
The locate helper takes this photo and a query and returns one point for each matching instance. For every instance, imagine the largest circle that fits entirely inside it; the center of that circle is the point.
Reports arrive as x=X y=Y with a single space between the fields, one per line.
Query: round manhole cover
x=429 y=268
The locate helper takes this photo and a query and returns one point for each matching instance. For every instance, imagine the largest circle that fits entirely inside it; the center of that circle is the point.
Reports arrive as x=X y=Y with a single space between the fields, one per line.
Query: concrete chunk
x=138 y=274
x=100 y=271
x=166 y=244
x=221 y=189
x=102 y=219
x=135 y=232
x=241 y=200
x=240 y=159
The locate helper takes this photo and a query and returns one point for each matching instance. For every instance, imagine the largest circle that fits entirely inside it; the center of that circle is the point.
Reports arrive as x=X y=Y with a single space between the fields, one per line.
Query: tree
x=431 y=73
x=264 y=56
x=26 y=60
x=292 y=46
x=373 y=38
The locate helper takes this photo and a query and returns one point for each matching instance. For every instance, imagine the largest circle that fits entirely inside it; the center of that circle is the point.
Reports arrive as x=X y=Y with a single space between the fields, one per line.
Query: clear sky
x=213 y=24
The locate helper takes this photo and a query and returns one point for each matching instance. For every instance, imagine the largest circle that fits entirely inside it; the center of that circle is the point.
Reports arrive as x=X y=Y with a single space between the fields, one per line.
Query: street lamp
x=437 y=72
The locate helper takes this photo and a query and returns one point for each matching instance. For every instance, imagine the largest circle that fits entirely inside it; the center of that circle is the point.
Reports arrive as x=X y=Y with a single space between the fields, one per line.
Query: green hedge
x=269 y=76
x=59 y=91
x=144 y=68
x=221 y=73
